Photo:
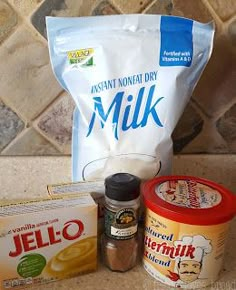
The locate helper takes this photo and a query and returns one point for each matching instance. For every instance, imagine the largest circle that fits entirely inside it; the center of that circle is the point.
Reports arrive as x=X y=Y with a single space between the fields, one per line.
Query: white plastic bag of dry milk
x=131 y=77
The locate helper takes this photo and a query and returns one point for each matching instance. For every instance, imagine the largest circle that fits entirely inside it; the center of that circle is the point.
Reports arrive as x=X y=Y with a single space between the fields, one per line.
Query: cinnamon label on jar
x=121 y=225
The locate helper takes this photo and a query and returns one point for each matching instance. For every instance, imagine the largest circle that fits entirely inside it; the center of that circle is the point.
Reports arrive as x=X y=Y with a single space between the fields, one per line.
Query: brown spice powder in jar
x=121 y=255
x=120 y=241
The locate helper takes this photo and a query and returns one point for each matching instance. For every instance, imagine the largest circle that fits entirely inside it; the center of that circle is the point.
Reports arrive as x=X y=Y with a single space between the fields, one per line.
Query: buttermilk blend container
x=186 y=226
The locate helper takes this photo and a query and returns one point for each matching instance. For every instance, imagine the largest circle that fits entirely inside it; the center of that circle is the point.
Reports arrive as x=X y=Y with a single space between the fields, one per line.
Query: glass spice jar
x=120 y=239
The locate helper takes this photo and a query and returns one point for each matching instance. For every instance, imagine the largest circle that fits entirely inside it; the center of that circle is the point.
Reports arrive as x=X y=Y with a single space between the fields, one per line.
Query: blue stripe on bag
x=176 y=41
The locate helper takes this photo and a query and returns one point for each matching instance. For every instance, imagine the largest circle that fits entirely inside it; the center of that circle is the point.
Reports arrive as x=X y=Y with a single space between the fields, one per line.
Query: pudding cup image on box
x=186 y=225
x=47 y=240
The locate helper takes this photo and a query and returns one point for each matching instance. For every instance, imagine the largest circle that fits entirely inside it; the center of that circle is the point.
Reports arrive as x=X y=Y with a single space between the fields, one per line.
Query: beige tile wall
x=35 y=113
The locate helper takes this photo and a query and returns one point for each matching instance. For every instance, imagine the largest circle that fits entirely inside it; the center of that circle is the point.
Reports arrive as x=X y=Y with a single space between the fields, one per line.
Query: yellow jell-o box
x=47 y=240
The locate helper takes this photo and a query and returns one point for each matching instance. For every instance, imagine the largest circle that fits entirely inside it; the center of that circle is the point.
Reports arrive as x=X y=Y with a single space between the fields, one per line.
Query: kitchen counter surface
x=22 y=177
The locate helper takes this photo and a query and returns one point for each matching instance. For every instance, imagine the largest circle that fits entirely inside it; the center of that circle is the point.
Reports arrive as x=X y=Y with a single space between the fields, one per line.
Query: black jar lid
x=122 y=186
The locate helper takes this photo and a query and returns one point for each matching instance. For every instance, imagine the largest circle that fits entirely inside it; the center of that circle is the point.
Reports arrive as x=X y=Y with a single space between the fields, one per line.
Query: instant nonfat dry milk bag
x=130 y=77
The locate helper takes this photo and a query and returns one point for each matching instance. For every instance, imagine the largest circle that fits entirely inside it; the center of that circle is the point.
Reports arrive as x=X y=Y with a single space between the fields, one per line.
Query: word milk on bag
x=130 y=77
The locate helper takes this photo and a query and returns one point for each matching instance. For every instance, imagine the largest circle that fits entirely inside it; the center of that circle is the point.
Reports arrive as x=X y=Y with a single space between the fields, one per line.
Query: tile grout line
x=231 y=19
x=34 y=125
x=21 y=134
x=28 y=124
x=48 y=106
x=227 y=107
x=149 y=6
x=111 y=2
x=34 y=121
x=51 y=141
x=213 y=12
x=14 y=140
x=18 y=24
x=199 y=110
x=26 y=21
x=14 y=110
x=222 y=23
x=5 y=102
x=216 y=115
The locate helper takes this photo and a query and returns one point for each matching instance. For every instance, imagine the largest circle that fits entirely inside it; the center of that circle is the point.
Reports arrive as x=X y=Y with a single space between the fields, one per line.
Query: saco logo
x=84 y=57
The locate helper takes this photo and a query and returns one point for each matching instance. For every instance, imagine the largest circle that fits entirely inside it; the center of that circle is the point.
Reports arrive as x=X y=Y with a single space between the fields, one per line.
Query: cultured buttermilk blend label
x=131 y=77
x=179 y=254
x=46 y=240
x=183 y=255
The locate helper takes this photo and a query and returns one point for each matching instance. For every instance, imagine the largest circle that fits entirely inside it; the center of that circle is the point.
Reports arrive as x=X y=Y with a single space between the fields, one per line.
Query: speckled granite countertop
x=28 y=177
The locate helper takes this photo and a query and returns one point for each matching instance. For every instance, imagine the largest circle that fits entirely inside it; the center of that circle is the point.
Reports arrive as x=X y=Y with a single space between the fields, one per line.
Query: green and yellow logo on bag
x=84 y=57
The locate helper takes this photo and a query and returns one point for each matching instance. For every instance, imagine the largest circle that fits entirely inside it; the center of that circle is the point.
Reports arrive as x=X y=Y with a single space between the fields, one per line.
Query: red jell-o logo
x=35 y=239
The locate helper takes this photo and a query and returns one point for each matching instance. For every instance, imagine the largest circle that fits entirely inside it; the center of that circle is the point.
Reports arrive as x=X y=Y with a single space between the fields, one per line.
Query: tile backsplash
x=36 y=114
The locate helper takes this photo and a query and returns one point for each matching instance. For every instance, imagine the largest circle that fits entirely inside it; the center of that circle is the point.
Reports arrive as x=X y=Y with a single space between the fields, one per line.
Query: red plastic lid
x=189 y=200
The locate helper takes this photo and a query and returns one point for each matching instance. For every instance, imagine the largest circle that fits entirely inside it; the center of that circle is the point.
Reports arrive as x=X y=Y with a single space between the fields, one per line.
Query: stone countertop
x=28 y=176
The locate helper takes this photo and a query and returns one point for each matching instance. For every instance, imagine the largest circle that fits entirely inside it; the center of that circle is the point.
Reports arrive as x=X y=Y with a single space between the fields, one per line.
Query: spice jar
x=120 y=240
